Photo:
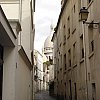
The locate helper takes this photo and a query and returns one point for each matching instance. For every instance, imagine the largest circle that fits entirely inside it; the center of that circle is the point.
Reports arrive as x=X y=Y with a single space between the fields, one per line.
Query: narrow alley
x=43 y=95
x=49 y=50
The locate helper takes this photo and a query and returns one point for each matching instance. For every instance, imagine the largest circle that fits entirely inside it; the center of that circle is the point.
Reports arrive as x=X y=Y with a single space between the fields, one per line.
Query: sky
x=46 y=13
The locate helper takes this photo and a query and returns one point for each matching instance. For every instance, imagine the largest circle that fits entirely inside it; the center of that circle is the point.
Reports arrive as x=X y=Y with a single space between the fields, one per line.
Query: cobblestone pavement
x=43 y=95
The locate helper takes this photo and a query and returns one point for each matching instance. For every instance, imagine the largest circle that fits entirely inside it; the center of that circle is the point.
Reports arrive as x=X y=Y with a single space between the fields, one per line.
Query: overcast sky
x=47 y=12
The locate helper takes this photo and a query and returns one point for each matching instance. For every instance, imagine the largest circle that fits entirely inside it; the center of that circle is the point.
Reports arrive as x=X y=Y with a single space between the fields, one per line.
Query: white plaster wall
x=23 y=81
x=39 y=64
x=26 y=27
x=9 y=67
x=17 y=84
x=11 y=10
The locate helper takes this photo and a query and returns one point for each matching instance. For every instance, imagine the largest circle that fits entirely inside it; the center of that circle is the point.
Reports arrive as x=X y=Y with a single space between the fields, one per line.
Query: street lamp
x=84 y=15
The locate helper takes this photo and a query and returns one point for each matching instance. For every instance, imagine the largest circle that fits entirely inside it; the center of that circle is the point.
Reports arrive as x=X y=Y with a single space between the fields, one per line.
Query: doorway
x=1 y=70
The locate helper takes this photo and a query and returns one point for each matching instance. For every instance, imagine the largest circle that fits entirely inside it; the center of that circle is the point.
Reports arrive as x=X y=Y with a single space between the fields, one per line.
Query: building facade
x=18 y=55
x=76 y=52
x=38 y=71
x=45 y=74
x=48 y=64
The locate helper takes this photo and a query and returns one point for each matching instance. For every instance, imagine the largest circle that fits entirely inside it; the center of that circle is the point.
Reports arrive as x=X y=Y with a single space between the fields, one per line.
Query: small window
x=65 y=61
x=82 y=52
x=61 y=60
x=70 y=87
x=64 y=39
x=81 y=47
x=74 y=53
x=68 y=23
x=74 y=8
x=92 y=45
x=68 y=32
x=93 y=91
x=75 y=91
x=69 y=57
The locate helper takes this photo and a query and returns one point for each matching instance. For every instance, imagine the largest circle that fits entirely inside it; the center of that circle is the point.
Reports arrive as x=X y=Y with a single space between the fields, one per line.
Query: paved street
x=44 y=95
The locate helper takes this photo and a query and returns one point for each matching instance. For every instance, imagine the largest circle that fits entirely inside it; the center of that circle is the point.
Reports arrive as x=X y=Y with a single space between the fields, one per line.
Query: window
x=70 y=96
x=75 y=91
x=81 y=47
x=69 y=57
x=65 y=61
x=68 y=24
x=65 y=91
x=93 y=91
x=74 y=53
x=73 y=20
x=92 y=45
x=64 y=39
x=60 y=60
x=91 y=41
x=74 y=8
x=64 y=29
x=89 y=76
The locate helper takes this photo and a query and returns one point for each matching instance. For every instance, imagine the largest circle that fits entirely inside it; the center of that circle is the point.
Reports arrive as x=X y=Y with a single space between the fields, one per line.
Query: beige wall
x=84 y=71
x=23 y=81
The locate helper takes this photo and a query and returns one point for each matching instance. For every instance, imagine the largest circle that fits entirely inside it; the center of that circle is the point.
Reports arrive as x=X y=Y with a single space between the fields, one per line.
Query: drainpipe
x=85 y=62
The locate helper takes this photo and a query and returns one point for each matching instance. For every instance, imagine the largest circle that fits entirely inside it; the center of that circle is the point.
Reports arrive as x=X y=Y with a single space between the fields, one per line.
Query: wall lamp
x=84 y=15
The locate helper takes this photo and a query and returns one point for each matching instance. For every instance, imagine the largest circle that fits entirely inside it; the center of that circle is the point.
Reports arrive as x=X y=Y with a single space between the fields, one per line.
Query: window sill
x=68 y=37
x=69 y=68
x=91 y=54
x=74 y=65
x=74 y=31
x=82 y=60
